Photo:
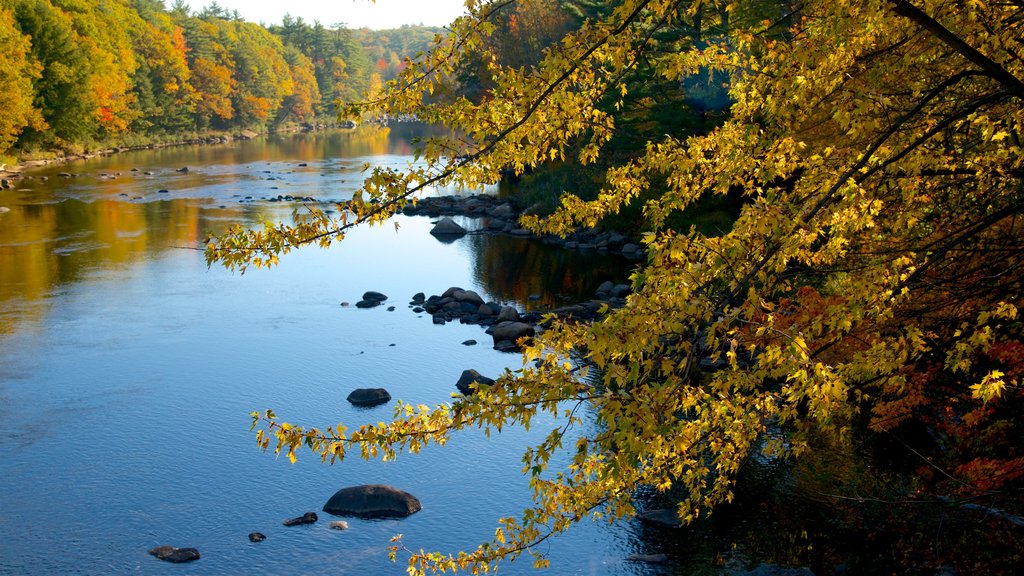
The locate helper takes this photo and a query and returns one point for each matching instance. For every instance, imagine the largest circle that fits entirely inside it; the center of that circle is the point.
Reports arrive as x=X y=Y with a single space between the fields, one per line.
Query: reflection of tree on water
x=512 y=269
x=43 y=246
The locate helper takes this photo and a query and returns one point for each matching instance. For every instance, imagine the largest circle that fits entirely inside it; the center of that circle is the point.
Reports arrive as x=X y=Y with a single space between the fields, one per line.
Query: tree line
x=106 y=71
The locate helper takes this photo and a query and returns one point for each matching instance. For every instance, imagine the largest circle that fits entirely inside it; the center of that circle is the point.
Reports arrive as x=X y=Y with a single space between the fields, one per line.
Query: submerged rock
x=662 y=517
x=369 y=396
x=372 y=501
x=307 y=518
x=648 y=558
x=338 y=525
x=257 y=537
x=175 y=555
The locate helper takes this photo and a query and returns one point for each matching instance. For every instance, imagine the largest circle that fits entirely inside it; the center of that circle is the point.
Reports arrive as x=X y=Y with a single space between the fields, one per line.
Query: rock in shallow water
x=175 y=555
x=307 y=518
x=369 y=396
x=468 y=378
x=447 y=227
x=372 y=501
x=257 y=537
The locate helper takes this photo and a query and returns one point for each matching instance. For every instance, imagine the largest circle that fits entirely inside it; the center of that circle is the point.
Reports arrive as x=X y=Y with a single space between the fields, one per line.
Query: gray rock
x=371 y=295
x=419 y=298
x=307 y=518
x=604 y=288
x=372 y=501
x=632 y=250
x=511 y=332
x=468 y=296
x=367 y=303
x=175 y=555
x=257 y=537
x=369 y=396
x=469 y=377
x=503 y=211
x=508 y=314
x=620 y=290
x=183 y=170
x=449 y=293
x=469 y=343
x=447 y=227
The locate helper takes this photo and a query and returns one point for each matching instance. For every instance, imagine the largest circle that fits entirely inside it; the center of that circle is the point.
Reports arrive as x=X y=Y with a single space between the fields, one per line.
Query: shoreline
x=210 y=138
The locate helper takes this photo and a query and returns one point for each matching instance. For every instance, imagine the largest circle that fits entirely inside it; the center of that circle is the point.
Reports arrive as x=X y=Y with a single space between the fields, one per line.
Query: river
x=128 y=368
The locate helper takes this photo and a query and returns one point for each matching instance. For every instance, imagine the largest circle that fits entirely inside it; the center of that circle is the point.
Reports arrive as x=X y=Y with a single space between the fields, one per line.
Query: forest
x=129 y=72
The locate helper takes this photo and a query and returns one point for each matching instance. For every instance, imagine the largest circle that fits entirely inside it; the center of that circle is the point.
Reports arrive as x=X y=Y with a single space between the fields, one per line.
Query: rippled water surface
x=128 y=368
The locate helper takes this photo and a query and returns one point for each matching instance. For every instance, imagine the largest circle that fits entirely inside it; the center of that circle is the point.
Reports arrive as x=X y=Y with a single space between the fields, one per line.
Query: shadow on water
x=514 y=269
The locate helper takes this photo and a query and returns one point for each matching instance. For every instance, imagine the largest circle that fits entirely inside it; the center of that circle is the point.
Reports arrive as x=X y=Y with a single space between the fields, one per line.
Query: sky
x=353 y=13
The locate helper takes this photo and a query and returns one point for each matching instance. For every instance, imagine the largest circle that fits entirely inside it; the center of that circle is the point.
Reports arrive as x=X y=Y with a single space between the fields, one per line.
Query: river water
x=128 y=368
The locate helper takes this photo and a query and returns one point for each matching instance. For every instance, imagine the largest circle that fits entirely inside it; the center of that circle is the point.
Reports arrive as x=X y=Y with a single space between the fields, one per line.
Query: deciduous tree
x=873 y=277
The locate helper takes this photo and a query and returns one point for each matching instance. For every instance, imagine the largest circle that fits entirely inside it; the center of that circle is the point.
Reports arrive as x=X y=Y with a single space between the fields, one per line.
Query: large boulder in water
x=469 y=377
x=369 y=396
x=372 y=501
x=511 y=332
x=447 y=227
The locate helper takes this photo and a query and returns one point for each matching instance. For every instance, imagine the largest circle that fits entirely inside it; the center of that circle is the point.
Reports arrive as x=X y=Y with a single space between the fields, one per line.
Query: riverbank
x=52 y=157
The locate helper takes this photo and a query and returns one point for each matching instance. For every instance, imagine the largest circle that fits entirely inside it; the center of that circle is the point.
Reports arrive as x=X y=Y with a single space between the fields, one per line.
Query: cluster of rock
x=502 y=217
x=506 y=325
x=371 y=299
x=366 y=501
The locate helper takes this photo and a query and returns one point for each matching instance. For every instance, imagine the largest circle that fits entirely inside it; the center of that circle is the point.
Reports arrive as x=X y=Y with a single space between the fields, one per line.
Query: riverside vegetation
x=124 y=73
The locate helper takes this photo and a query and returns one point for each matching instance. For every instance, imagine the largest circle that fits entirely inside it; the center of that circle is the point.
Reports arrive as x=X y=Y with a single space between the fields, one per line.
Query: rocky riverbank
x=501 y=216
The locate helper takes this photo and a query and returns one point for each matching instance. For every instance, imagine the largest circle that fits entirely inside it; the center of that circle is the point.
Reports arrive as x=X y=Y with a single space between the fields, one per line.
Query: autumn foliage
x=870 y=287
x=78 y=73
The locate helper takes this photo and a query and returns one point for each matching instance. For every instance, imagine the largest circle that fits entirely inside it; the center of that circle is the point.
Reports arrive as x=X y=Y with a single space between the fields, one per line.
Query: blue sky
x=353 y=13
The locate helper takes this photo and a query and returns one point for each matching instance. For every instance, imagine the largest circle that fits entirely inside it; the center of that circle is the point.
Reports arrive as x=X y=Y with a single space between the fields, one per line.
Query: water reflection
x=517 y=268
x=108 y=326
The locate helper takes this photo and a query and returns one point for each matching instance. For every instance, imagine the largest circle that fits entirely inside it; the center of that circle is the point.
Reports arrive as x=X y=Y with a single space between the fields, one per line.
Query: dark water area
x=128 y=368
